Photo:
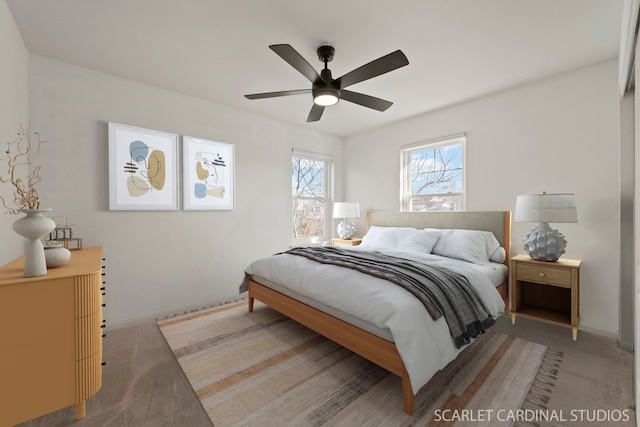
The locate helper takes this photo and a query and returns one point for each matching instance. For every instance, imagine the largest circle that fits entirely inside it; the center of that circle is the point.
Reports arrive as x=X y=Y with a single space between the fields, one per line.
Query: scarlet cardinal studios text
x=573 y=415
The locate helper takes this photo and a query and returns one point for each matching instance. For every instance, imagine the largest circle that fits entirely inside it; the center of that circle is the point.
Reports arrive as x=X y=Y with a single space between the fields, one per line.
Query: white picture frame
x=143 y=169
x=208 y=174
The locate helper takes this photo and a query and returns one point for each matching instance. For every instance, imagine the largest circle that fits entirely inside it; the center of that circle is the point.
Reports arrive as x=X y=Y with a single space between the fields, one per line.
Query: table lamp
x=345 y=210
x=544 y=243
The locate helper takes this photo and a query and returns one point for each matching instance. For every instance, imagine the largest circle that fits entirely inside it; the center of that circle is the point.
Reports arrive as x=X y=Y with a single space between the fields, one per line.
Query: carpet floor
x=263 y=369
x=144 y=386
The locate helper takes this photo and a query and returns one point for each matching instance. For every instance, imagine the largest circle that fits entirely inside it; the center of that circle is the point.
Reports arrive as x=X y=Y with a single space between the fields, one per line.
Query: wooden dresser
x=51 y=337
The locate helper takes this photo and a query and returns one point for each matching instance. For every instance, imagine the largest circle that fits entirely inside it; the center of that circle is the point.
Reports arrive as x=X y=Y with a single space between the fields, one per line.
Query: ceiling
x=217 y=50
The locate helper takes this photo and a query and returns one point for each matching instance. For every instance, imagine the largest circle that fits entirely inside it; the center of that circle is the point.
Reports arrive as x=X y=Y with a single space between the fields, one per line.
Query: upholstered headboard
x=498 y=222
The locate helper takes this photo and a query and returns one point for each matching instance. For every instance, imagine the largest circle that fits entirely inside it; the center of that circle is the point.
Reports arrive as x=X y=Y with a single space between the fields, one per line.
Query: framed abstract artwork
x=143 y=169
x=208 y=174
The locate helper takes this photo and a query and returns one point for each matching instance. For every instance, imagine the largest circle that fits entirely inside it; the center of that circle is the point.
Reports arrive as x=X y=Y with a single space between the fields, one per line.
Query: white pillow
x=469 y=245
x=499 y=256
x=420 y=240
x=385 y=237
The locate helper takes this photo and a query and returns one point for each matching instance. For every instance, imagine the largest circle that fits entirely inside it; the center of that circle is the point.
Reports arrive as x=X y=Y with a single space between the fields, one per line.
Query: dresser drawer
x=543 y=274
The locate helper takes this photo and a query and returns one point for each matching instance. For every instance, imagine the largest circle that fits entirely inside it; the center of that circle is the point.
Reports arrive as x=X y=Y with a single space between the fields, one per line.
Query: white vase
x=56 y=256
x=34 y=226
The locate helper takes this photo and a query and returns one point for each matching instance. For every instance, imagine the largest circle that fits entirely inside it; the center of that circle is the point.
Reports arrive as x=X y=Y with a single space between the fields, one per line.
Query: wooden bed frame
x=378 y=350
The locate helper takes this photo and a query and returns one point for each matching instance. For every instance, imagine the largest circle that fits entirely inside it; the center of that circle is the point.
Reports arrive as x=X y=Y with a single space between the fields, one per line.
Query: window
x=433 y=177
x=312 y=193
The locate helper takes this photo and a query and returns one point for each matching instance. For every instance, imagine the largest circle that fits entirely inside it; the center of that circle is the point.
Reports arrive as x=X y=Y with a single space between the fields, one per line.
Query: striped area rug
x=263 y=369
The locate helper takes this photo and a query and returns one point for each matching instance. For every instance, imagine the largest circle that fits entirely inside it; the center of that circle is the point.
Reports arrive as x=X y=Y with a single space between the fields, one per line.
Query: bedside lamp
x=345 y=210
x=543 y=243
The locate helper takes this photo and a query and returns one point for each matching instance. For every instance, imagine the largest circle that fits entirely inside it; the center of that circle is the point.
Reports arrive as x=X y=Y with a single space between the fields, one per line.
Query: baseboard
x=628 y=346
x=154 y=317
x=597 y=331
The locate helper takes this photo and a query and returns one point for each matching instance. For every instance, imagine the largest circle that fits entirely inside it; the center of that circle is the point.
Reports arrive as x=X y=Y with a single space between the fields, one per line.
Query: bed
x=373 y=323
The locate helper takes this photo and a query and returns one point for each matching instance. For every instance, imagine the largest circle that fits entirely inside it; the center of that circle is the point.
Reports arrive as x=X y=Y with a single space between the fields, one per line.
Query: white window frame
x=328 y=198
x=405 y=167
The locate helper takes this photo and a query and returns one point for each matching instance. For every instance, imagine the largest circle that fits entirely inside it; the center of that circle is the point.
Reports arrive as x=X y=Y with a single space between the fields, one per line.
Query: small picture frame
x=143 y=169
x=208 y=174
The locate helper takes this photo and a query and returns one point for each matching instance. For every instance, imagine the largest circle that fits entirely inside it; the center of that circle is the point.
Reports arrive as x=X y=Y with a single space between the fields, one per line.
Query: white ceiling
x=218 y=49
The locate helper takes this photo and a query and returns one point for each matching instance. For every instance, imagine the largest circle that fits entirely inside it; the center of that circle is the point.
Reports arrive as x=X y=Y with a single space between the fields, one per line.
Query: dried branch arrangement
x=21 y=173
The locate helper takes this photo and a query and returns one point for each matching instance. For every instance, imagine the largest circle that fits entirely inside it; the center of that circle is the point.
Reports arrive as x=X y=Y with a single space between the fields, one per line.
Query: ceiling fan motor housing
x=325 y=91
x=326 y=53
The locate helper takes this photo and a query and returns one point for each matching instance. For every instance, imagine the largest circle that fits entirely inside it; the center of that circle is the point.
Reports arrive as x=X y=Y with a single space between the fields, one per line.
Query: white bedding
x=425 y=345
x=494 y=271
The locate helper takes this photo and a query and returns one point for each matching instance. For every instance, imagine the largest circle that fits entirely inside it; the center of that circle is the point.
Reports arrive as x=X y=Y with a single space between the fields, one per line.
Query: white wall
x=14 y=111
x=158 y=261
x=555 y=135
x=560 y=134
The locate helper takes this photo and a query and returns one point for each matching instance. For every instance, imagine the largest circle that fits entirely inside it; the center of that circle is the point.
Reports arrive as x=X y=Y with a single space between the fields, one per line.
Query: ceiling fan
x=328 y=91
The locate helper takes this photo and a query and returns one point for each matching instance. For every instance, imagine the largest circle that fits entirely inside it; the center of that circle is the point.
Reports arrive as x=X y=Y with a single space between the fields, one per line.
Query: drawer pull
x=541 y=274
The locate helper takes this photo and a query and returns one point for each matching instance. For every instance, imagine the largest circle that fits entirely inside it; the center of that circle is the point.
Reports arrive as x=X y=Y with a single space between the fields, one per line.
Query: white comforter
x=425 y=345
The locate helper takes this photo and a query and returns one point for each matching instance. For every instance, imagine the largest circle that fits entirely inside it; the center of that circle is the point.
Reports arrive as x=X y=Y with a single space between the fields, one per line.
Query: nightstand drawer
x=543 y=274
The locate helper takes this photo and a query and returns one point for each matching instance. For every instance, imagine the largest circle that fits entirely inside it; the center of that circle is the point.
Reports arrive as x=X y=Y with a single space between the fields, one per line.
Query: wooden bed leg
x=250 y=300
x=407 y=393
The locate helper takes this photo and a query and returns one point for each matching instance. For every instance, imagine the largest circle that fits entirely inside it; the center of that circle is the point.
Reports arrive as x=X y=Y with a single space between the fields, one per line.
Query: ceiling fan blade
x=374 y=68
x=296 y=60
x=276 y=94
x=315 y=113
x=365 y=100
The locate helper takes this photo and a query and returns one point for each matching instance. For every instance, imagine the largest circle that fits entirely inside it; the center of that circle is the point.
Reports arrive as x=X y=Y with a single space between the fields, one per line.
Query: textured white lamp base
x=543 y=243
x=346 y=229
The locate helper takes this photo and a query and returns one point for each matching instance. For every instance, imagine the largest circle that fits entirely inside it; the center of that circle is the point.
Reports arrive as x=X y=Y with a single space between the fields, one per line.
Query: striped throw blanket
x=443 y=293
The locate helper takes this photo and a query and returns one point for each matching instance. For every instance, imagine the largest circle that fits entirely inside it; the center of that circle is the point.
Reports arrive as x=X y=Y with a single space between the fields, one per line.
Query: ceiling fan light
x=326 y=100
x=325 y=97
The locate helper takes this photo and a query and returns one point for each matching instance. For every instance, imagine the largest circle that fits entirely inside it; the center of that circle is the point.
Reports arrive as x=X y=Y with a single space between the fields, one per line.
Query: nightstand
x=345 y=242
x=547 y=291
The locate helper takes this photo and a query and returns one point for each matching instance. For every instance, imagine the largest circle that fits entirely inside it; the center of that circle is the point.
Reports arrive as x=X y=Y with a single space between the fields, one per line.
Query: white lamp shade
x=346 y=210
x=546 y=208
